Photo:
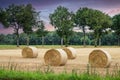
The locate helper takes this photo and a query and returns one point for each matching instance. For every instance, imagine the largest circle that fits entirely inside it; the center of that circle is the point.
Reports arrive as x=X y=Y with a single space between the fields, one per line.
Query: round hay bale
x=30 y=52
x=71 y=52
x=55 y=57
x=99 y=58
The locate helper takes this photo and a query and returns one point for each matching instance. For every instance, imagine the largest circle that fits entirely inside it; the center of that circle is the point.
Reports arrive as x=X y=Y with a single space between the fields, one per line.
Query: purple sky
x=46 y=7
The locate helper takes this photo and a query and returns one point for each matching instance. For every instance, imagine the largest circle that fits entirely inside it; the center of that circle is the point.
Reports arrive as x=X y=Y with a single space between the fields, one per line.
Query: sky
x=110 y=7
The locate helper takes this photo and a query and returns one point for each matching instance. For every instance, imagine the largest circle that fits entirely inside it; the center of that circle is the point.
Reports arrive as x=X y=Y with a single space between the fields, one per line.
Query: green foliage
x=86 y=40
x=25 y=17
x=99 y=23
x=1 y=38
x=116 y=26
x=41 y=29
x=28 y=18
x=109 y=39
x=82 y=18
x=62 y=20
x=95 y=20
x=75 y=39
x=53 y=39
x=18 y=17
x=13 y=16
x=41 y=32
x=3 y=15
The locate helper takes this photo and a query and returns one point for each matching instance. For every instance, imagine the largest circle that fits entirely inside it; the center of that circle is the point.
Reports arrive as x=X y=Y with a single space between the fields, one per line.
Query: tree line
x=25 y=17
x=53 y=39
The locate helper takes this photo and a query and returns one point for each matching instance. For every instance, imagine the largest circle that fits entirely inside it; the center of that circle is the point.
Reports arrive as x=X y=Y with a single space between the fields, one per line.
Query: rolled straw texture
x=71 y=52
x=55 y=57
x=30 y=52
x=99 y=58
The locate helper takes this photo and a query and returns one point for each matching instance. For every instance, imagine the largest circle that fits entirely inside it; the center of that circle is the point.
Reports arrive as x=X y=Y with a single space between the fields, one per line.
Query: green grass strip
x=52 y=46
x=20 y=75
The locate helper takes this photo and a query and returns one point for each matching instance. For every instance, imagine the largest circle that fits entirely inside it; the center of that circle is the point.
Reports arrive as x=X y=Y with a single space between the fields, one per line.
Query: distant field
x=51 y=46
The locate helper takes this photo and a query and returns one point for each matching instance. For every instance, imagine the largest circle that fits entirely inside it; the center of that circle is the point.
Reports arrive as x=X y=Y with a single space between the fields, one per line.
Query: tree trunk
x=17 y=40
x=27 y=40
x=84 y=34
x=42 y=41
x=97 y=37
x=118 y=40
x=62 y=42
x=66 y=41
x=99 y=41
x=17 y=34
x=16 y=30
x=95 y=42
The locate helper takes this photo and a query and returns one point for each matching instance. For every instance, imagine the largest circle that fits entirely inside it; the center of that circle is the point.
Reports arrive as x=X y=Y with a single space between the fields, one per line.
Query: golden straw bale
x=99 y=58
x=71 y=52
x=30 y=52
x=55 y=57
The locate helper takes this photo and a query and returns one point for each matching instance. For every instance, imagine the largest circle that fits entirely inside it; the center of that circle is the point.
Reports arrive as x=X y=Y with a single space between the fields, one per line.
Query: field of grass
x=38 y=75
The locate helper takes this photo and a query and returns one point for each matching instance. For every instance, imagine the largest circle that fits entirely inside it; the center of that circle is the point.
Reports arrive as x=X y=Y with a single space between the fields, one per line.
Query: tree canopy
x=18 y=17
x=62 y=20
x=25 y=17
x=41 y=32
x=82 y=19
x=116 y=26
x=99 y=22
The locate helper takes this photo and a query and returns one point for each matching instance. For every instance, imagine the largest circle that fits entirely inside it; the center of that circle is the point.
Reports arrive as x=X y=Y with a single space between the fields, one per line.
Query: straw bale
x=71 y=52
x=55 y=57
x=30 y=52
x=99 y=58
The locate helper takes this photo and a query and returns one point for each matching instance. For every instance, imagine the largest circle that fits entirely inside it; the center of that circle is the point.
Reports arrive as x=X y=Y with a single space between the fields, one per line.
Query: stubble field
x=12 y=59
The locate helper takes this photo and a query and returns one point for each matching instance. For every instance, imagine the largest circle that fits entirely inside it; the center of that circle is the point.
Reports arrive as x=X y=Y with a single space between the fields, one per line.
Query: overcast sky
x=46 y=7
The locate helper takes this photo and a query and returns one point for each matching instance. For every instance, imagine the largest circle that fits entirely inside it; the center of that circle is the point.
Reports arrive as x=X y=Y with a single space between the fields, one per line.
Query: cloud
x=113 y=11
x=6 y=30
x=49 y=27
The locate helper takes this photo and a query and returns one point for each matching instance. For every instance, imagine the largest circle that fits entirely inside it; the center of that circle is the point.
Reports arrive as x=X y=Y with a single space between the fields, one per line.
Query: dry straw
x=30 y=52
x=71 y=52
x=99 y=58
x=55 y=57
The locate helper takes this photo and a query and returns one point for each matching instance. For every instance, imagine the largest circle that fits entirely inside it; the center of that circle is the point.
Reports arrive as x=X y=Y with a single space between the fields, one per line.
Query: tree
x=75 y=39
x=116 y=26
x=3 y=15
x=87 y=40
x=99 y=22
x=29 y=20
x=109 y=39
x=81 y=19
x=2 y=39
x=18 y=17
x=41 y=32
x=62 y=20
x=11 y=18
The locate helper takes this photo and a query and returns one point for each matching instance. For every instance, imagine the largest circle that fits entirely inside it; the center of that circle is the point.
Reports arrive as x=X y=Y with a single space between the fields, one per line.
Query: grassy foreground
x=18 y=75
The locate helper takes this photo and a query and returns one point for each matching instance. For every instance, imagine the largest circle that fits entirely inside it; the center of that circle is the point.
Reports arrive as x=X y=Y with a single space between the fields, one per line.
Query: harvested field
x=14 y=58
